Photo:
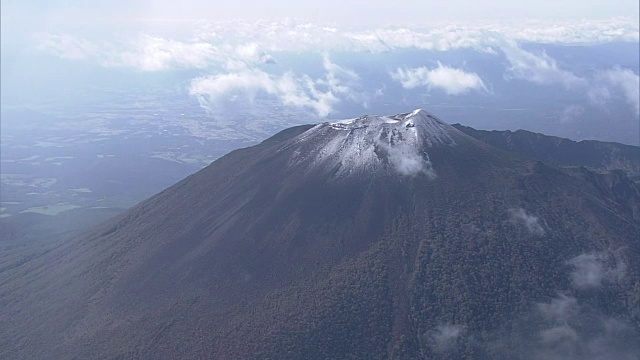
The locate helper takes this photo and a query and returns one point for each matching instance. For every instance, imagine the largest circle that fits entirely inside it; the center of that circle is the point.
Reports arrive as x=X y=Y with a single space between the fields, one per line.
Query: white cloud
x=530 y=222
x=623 y=81
x=407 y=160
x=291 y=35
x=319 y=95
x=444 y=337
x=66 y=46
x=581 y=31
x=252 y=52
x=559 y=309
x=439 y=39
x=592 y=270
x=558 y=335
x=254 y=41
x=453 y=81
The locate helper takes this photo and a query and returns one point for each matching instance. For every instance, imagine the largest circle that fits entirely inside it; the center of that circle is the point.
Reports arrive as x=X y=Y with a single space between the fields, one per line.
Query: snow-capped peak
x=398 y=141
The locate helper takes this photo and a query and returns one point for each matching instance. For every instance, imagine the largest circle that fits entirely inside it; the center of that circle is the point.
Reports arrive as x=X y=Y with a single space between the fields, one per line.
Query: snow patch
x=399 y=142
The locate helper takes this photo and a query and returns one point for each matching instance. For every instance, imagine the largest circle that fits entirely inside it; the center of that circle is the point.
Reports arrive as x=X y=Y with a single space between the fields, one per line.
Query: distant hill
x=597 y=155
x=382 y=237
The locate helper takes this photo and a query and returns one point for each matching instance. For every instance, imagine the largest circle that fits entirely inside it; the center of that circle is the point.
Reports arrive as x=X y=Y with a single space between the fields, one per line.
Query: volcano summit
x=381 y=237
x=366 y=144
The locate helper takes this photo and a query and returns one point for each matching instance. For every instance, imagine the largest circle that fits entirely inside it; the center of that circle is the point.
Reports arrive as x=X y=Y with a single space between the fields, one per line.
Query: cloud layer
x=239 y=51
x=220 y=41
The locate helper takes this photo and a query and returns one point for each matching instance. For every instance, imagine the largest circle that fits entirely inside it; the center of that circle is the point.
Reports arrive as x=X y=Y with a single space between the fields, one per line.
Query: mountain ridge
x=594 y=154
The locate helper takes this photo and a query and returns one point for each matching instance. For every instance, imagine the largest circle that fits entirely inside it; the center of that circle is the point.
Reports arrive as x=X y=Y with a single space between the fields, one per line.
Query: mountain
x=381 y=237
x=596 y=155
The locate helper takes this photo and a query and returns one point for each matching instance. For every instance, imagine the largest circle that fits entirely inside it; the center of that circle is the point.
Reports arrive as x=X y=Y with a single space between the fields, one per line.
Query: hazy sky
x=228 y=55
x=342 y=12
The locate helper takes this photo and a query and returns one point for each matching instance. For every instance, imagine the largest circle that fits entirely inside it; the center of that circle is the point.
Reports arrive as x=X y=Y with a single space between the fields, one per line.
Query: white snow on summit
x=369 y=142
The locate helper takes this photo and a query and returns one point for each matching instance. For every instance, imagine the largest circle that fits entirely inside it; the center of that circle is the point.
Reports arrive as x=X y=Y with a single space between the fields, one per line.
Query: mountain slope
x=427 y=244
x=597 y=155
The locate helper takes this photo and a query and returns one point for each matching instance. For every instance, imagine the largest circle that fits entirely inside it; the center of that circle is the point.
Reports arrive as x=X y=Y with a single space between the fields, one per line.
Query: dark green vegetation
x=499 y=257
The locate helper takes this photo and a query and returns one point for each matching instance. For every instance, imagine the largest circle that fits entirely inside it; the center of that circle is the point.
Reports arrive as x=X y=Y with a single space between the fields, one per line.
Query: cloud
x=568 y=327
x=219 y=41
x=407 y=160
x=592 y=270
x=571 y=331
x=252 y=52
x=544 y=70
x=292 y=35
x=319 y=95
x=537 y=68
x=342 y=81
x=444 y=337
x=559 y=309
x=152 y=53
x=66 y=46
x=559 y=334
x=453 y=81
x=582 y=31
x=571 y=113
x=530 y=222
x=240 y=46
x=564 y=328
x=289 y=89
x=438 y=39
x=624 y=81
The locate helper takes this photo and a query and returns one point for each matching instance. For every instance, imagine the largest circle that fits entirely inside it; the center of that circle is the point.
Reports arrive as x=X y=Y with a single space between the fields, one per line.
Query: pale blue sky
x=342 y=12
x=49 y=42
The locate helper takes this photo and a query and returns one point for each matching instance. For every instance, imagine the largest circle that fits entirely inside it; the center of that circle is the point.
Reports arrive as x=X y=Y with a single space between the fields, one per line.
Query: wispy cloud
x=445 y=337
x=566 y=328
x=453 y=81
x=593 y=269
x=530 y=222
x=407 y=160
x=571 y=331
x=571 y=113
x=559 y=309
x=66 y=46
x=623 y=81
x=537 y=68
x=599 y=88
